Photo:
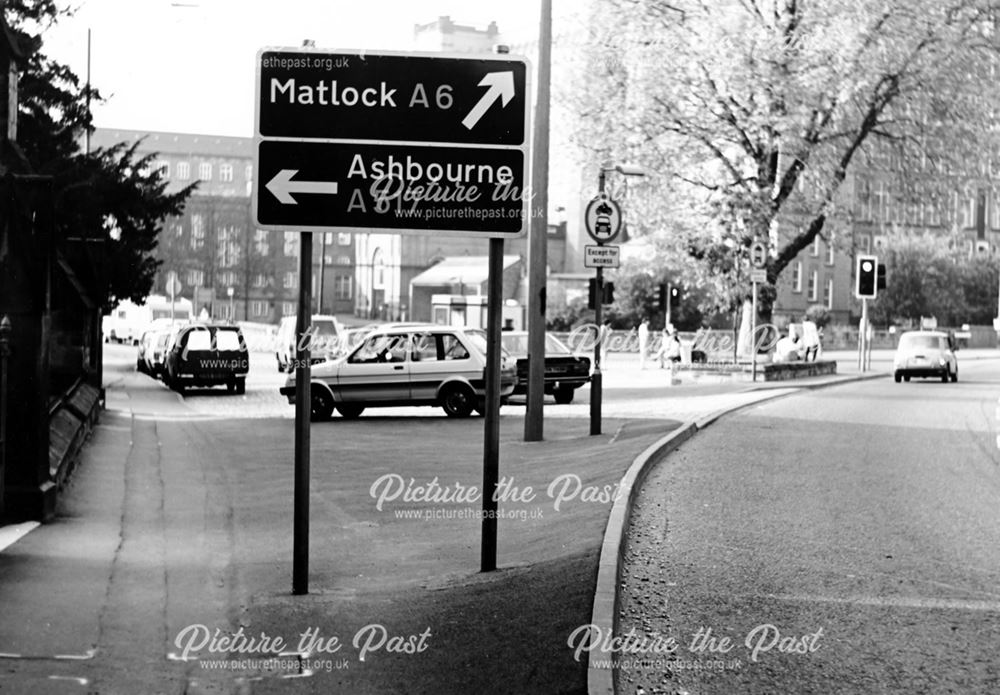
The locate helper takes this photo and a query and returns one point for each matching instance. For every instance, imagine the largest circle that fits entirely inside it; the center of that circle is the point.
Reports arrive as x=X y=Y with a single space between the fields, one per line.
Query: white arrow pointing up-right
x=501 y=86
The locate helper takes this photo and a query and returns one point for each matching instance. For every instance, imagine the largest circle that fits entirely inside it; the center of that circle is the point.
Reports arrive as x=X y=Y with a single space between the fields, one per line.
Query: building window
x=259 y=280
x=228 y=249
x=932 y=210
x=342 y=287
x=195 y=278
x=863 y=201
x=815 y=246
x=164 y=169
x=225 y=310
x=183 y=171
x=813 y=288
x=288 y=308
x=205 y=171
x=258 y=308
x=968 y=212
x=197 y=232
x=291 y=247
x=828 y=294
x=291 y=281
x=343 y=260
x=227 y=278
x=226 y=173
x=797 y=277
x=378 y=270
x=260 y=242
x=830 y=251
x=865 y=243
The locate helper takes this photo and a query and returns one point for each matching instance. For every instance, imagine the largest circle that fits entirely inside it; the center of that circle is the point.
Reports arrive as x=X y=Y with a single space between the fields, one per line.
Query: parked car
x=329 y=341
x=565 y=371
x=925 y=354
x=406 y=365
x=207 y=355
x=152 y=351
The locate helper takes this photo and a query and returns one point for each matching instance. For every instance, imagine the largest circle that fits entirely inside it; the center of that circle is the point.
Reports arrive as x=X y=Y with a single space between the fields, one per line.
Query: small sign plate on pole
x=758 y=254
x=758 y=275
x=600 y=256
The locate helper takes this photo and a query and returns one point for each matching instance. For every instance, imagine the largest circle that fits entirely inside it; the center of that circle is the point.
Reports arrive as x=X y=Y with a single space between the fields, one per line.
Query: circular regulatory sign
x=173 y=284
x=758 y=254
x=603 y=219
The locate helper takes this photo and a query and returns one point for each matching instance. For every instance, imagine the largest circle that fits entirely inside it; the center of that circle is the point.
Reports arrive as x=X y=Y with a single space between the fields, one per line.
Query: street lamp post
x=597 y=379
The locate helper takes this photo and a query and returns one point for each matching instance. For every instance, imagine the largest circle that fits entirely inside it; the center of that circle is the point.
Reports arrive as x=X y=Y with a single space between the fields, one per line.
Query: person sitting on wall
x=788 y=349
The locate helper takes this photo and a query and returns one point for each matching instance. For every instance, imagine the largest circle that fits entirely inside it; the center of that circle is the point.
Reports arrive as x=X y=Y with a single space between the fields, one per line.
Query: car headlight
x=942 y=361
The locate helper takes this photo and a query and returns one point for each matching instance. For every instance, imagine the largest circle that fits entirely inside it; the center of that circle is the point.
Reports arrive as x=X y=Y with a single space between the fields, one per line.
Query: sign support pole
x=491 y=430
x=303 y=410
x=753 y=333
x=596 y=380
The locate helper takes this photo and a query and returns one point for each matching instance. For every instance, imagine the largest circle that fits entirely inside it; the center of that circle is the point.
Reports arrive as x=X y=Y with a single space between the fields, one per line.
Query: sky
x=187 y=66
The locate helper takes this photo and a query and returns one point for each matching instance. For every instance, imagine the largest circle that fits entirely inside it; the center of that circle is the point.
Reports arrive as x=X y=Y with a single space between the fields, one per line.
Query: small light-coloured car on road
x=405 y=365
x=925 y=354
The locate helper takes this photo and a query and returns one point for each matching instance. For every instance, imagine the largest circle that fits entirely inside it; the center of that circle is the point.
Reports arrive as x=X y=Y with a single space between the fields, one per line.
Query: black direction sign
x=389 y=141
x=403 y=98
x=323 y=185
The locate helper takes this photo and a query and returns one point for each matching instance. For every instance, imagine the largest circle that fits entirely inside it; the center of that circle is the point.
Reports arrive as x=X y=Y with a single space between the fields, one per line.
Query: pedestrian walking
x=810 y=340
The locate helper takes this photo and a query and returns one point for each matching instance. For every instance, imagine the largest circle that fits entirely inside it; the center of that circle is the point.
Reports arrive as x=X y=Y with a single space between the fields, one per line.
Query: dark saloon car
x=207 y=355
x=565 y=371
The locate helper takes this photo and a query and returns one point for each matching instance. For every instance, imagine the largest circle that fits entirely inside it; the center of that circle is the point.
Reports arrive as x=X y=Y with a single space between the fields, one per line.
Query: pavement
x=162 y=540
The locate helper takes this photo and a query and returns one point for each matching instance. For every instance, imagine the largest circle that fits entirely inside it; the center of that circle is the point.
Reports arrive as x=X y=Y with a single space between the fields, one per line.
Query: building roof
x=175 y=143
x=466 y=270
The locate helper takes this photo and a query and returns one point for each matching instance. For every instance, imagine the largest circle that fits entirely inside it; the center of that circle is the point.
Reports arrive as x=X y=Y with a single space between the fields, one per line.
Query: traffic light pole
x=596 y=379
x=863 y=344
x=753 y=334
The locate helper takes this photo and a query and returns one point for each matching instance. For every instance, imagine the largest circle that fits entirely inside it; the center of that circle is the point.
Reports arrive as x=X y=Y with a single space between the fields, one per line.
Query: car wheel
x=954 y=377
x=322 y=404
x=946 y=376
x=457 y=400
x=906 y=378
x=350 y=411
x=563 y=395
x=231 y=386
x=898 y=377
x=241 y=386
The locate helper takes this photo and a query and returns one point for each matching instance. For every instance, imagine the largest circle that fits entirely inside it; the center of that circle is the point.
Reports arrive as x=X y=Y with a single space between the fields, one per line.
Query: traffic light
x=880 y=282
x=867 y=277
x=662 y=298
x=675 y=295
x=608 y=290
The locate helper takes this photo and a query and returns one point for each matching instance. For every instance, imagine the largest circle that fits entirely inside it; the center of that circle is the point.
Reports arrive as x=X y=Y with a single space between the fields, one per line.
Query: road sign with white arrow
x=418 y=142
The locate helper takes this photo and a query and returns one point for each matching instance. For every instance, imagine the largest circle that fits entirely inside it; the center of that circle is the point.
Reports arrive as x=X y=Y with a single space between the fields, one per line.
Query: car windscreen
x=227 y=339
x=921 y=342
x=514 y=344
x=198 y=339
x=553 y=346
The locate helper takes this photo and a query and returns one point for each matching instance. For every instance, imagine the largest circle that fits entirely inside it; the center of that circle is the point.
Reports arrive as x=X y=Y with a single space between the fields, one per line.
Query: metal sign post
x=491 y=429
x=758 y=258
x=603 y=220
x=303 y=411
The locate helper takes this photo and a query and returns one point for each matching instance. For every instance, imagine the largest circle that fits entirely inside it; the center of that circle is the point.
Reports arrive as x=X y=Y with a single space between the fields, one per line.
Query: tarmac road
x=841 y=540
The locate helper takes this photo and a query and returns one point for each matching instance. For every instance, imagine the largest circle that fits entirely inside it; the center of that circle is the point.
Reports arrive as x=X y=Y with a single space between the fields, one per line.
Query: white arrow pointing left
x=501 y=86
x=282 y=186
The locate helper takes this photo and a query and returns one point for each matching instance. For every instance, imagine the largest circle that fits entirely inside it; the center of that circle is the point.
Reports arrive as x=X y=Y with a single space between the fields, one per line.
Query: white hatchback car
x=404 y=365
x=925 y=354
